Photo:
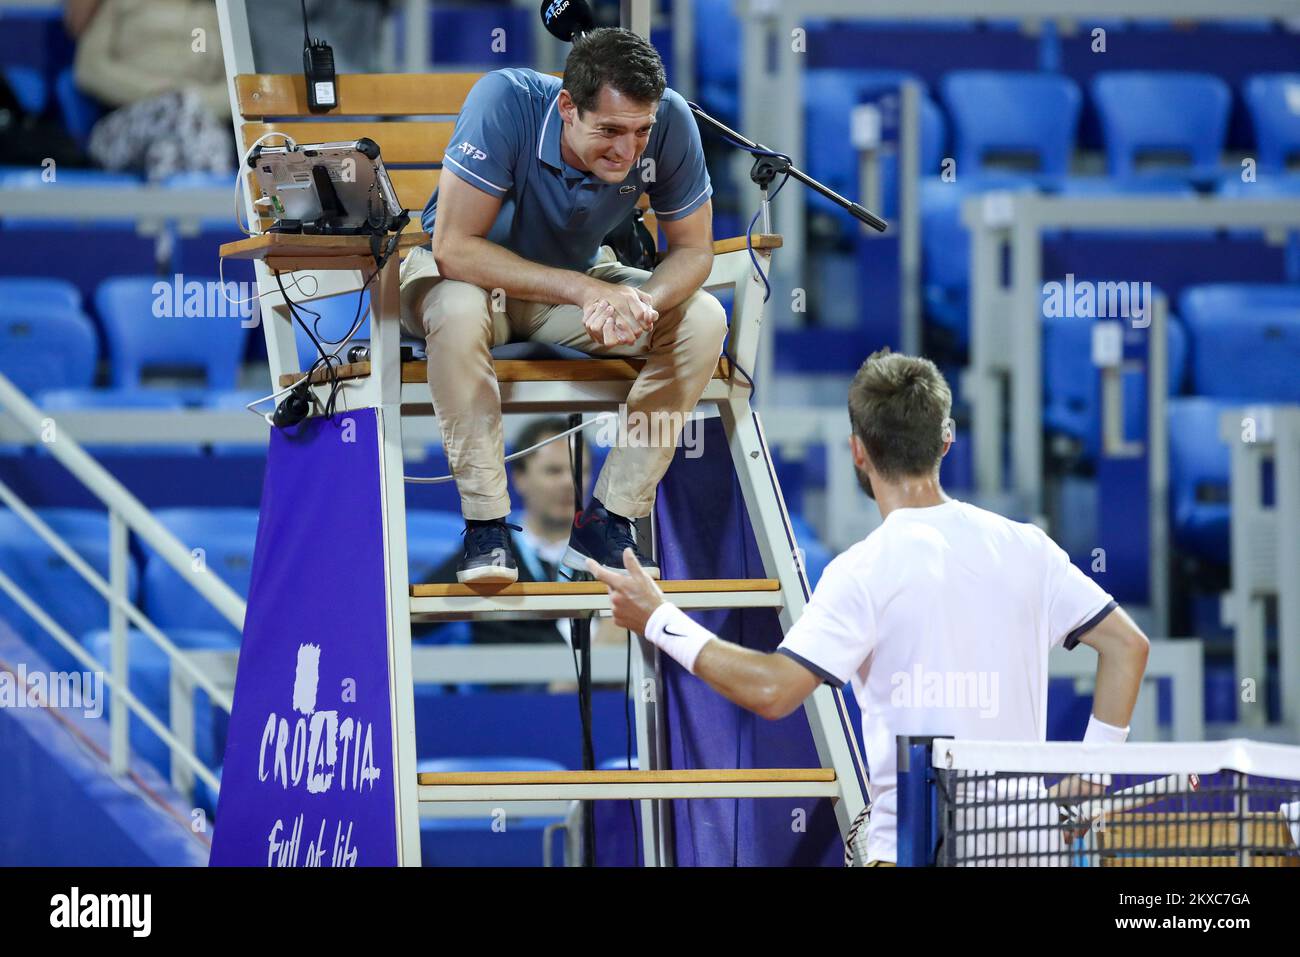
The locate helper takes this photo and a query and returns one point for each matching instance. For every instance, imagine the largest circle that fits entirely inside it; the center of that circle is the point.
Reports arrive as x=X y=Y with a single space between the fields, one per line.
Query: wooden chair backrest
x=410 y=115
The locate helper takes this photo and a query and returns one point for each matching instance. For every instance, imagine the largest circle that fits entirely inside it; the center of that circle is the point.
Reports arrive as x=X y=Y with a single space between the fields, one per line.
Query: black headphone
x=295 y=407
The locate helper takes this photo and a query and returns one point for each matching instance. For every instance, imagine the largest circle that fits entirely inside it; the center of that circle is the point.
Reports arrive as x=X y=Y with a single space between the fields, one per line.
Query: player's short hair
x=899 y=407
x=616 y=57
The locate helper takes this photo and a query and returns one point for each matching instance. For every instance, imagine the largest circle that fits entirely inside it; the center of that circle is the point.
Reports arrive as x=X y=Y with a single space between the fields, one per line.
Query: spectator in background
x=158 y=65
x=544 y=481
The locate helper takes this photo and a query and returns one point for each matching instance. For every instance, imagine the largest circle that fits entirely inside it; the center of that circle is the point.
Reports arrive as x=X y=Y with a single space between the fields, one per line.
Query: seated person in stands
x=544 y=481
x=157 y=66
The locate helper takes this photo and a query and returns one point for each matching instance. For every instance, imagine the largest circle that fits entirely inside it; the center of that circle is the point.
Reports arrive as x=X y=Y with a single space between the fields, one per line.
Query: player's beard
x=864 y=482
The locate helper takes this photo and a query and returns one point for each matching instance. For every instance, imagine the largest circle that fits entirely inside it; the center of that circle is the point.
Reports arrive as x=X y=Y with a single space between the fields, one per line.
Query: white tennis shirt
x=942 y=619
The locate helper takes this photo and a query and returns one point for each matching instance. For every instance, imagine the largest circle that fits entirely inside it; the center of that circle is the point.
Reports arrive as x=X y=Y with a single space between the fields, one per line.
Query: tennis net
x=1066 y=804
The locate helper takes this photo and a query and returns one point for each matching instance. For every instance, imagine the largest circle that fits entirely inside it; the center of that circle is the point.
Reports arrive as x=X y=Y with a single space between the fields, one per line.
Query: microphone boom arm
x=768 y=167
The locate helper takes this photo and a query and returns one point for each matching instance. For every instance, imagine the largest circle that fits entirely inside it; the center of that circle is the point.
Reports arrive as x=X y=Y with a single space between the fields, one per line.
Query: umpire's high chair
x=395 y=110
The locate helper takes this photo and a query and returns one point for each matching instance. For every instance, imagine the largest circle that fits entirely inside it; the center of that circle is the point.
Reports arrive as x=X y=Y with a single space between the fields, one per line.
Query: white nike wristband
x=1099 y=732
x=677 y=635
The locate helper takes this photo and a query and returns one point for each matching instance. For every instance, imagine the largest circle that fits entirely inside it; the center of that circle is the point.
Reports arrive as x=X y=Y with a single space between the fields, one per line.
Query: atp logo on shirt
x=473 y=152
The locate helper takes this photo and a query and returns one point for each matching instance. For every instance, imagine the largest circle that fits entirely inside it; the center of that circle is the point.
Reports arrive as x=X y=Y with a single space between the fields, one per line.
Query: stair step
x=622 y=785
x=453 y=602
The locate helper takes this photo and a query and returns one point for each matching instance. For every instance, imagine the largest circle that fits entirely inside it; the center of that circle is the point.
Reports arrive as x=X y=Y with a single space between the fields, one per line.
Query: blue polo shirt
x=507 y=143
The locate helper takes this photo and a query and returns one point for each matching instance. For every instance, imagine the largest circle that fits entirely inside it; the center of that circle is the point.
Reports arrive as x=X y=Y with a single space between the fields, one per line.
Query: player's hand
x=630 y=304
x=605 y=326
x=634 y=596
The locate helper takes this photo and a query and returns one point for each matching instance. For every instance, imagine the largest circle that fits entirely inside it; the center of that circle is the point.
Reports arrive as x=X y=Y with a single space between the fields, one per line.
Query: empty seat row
x=1235 y=342
x=945 y=240
x=47 y=341
x=1029 y=120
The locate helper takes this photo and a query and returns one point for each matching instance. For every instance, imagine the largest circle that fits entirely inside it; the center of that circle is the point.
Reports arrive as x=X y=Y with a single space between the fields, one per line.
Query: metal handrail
x=120 y=501
x=96 y=581
x=119 y=686
x=125 y=512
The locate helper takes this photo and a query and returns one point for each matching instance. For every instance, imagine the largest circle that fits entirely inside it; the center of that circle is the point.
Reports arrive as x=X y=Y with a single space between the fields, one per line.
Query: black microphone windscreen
x=564 y=18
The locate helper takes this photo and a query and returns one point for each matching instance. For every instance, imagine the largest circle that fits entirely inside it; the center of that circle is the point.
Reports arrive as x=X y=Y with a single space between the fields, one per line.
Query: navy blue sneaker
x=600 y=534
x=488 y=557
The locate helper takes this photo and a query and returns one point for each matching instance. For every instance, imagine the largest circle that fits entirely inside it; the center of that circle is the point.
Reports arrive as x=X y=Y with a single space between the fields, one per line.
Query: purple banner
x=704 y=532
x=308 y=776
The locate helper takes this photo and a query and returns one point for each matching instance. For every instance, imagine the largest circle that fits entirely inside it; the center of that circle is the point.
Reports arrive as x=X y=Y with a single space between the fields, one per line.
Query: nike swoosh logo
x=673 y=633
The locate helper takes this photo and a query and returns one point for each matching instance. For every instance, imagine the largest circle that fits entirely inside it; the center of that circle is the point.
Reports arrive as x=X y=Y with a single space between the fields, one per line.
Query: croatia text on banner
x=308 y=777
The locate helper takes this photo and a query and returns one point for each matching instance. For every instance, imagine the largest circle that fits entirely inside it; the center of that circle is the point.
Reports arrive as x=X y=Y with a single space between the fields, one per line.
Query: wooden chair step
x=455 y=602
x=533 y=589
x=685 y=776
x=622 y=785
x=518 y=370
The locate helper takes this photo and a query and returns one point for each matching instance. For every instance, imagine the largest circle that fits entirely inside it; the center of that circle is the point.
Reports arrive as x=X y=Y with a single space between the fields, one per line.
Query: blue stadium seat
x=80 y=112
x=72 y=400
x=474 y=841
x=465 y=35
x=717 y=58
x=1071 y=389
x=1122 y=186
x=208 y=225
x=945 y=246
x=830 y=96
x=1264 y=187
x=1244 y=341
x=54 y=585
x=138 y=338
x=1274 y=104
x=149 y=678
x=205 y=797
x=618 y=826
x=1012 y=113
x=1145 y=113
x=227 y=537
x=432 y=537
x=46 y=347
x=31 y=178
x=238 y=400
x=196 y=179
x=29 y=87
x=1199 y=476
x=29 y=293
x=337 y=315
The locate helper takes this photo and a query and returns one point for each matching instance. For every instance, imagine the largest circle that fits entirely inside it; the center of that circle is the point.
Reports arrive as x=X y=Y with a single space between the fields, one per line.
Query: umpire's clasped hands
x=616 y=314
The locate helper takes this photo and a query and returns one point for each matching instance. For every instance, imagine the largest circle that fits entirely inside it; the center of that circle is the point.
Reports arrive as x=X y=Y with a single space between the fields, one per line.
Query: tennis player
x=941 y=618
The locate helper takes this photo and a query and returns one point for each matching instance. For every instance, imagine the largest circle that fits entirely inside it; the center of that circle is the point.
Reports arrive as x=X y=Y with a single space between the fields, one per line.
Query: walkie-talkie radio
x=318 y=68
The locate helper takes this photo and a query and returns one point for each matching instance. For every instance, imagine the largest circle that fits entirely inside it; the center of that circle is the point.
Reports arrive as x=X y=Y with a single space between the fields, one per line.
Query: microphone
x=567 y=19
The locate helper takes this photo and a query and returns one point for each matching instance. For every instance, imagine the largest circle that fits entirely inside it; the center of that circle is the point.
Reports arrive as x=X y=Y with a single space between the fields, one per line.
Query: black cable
x=580 y=635
x=332 y=361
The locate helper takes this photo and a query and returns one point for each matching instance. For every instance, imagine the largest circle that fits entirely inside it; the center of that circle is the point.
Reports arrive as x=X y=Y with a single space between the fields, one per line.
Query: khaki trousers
x=461 y=322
